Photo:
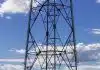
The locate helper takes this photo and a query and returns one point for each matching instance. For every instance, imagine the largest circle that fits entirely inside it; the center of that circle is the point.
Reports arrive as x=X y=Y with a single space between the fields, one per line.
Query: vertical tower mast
x=51 y=43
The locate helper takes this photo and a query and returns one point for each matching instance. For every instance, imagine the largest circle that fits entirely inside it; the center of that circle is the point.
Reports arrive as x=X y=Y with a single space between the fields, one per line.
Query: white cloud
x=96 y=31
x=87 y=47
x=86 y=52
x=97 y=1
x=89 y=67
x=17 y=6
x=14 y=6
x=11 y=67
x=85 y=66
x=20 y=51
x=8 y=17
x=11 y=60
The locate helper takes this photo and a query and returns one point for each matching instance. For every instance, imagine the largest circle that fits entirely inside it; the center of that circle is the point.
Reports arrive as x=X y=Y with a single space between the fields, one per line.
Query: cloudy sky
x=13 y=26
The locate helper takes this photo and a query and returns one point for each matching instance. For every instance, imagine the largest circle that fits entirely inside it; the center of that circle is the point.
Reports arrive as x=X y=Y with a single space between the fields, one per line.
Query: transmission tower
x=50 y=41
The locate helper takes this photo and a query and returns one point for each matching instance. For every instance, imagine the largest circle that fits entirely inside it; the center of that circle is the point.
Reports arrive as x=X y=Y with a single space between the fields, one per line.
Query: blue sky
x=13 y=27
x=87 y=17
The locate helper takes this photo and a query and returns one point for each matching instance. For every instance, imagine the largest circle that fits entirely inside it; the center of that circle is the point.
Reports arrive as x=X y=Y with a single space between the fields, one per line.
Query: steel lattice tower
x=50 y=41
